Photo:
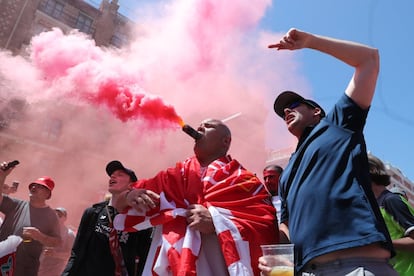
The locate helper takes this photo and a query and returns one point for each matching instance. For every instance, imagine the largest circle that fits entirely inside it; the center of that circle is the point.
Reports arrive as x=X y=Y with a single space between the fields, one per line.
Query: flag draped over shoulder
x=241 y=211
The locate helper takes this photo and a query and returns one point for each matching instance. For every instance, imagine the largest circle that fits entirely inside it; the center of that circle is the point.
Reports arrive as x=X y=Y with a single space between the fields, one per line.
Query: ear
x=317 y=111
x=227 y=141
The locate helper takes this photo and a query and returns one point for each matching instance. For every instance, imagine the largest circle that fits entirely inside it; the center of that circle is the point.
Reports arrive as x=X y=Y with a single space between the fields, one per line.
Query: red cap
x=45 y=181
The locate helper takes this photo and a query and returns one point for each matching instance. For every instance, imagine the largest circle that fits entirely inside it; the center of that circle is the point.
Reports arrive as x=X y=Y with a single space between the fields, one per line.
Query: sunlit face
x=271 y=180
x=38 y=192
x=215 y=141
x=119 y=181
x=300 y=117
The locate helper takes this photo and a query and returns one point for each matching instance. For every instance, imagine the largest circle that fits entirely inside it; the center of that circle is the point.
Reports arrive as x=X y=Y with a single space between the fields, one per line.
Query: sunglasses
x=294 y=105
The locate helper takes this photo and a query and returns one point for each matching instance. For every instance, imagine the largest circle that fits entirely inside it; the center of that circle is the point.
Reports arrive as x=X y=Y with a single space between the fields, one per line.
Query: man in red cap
x=34 y=220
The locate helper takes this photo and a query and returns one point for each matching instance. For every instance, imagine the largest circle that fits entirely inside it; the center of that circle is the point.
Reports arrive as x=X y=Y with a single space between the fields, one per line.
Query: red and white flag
x=242 y=213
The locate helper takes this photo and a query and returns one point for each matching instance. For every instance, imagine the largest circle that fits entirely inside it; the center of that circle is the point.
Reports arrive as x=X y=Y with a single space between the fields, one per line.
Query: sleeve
x=399 y=210
x=8 y=204
x=347 y=114
x=80 y=244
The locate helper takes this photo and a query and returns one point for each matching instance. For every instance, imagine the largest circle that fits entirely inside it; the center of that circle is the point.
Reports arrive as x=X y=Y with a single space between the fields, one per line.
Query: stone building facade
x=20 y=20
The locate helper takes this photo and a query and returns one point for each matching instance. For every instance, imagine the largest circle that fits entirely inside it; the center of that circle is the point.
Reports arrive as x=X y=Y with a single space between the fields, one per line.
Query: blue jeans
x=350 y=267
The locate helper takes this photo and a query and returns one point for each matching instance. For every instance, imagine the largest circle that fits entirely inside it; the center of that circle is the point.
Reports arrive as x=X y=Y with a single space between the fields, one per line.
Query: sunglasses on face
x=292 y=106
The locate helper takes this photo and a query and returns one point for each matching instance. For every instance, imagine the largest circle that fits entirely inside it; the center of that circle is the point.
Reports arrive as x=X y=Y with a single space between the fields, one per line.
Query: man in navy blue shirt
x=328 y=209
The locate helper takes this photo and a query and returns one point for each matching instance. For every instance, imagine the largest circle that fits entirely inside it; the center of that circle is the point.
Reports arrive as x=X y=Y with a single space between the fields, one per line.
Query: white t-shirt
x=278 y=205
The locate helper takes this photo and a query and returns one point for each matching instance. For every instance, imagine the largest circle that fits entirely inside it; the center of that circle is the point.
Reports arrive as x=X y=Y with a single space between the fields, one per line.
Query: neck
x=38 y=204
x=377 y=189
x=206 y=161
x=117 y=201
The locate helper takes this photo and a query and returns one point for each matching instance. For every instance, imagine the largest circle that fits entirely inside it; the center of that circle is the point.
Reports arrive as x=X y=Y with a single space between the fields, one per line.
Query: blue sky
x=385 y=25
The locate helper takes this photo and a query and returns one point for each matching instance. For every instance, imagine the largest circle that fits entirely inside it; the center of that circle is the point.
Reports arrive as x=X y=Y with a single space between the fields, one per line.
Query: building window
x=84 y=23
x=53 y=8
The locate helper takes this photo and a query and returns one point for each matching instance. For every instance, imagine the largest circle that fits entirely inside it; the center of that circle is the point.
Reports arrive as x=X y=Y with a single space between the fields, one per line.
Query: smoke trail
x=73 y=68
x=87 y=105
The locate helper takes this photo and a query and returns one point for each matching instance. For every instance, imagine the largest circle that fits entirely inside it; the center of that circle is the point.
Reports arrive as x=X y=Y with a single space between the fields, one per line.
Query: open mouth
x=289 y=118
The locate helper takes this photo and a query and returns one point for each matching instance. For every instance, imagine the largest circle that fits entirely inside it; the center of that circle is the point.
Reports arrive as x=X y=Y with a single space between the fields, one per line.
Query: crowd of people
x=209 y=215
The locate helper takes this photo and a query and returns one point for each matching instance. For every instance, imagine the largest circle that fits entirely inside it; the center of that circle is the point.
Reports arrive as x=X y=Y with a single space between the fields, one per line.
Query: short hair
x=273 y=167
x=377 y=171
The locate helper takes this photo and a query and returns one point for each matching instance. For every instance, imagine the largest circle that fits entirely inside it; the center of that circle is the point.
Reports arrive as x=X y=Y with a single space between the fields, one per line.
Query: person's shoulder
x=7 y=198
x=346 y=114
x=95 y=208
x=98 y=206
x=392 y=199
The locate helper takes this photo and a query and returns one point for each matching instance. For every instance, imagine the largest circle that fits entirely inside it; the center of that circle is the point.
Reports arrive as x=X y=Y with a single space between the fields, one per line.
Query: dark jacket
x=91 y=253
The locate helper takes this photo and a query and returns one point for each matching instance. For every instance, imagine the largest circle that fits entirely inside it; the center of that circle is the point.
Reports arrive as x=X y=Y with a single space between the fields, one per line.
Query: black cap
x=116 y=165
x=288 y=97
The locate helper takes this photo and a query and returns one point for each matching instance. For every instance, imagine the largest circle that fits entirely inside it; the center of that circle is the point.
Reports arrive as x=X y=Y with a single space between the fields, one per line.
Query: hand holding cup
x=28 y=232
x=278 y=259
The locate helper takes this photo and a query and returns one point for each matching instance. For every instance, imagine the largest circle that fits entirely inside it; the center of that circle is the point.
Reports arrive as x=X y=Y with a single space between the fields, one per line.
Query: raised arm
x=3 y=174
x=363 y=58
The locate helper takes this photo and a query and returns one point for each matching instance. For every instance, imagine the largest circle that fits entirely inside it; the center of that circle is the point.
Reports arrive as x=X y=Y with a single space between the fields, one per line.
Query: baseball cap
x=116 y=165
x=45 y=181
x=288 y=97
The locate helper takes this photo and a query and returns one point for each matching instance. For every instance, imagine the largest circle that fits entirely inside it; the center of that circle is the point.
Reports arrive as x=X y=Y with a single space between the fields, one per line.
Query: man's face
x=299 y=116
x=215 y=140
x=39 y=192
x=271 y=179
x=119 y=181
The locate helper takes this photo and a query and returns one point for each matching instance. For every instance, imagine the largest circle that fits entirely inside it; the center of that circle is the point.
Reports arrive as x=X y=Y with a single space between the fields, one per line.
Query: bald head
x=214 y=143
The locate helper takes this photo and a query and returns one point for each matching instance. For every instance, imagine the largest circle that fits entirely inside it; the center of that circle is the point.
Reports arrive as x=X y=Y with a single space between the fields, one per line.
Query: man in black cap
x=101 y=250
x=328 y=209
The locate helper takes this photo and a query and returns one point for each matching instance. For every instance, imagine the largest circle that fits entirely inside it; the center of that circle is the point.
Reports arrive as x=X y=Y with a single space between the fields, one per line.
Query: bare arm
x=34 y=233
x=284 y=233
x=405 y=244
x=3 y=175
x=363 y=58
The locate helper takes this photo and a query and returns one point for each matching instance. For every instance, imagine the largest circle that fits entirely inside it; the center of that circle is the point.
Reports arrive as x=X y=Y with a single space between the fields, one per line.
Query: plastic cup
x=280 y=257
x=24 y=235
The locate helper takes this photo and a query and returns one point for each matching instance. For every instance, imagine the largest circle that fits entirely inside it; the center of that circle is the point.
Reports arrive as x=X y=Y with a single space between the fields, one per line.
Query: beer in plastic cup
x=280 y=257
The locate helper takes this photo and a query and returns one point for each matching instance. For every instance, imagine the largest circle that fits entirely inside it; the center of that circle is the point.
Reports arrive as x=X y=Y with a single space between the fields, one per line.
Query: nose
x=286 y=112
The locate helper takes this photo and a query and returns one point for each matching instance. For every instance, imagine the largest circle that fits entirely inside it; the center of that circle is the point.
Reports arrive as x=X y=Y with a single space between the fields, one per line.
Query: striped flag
x=242 y=213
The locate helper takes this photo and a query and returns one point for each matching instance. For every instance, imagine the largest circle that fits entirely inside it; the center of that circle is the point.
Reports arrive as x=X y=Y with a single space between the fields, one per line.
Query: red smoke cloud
x=196 y=58
x=76 y=62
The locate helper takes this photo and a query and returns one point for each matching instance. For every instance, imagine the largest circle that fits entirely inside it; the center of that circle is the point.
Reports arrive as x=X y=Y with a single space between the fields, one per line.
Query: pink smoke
x=195 y=58
x=76 y=65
